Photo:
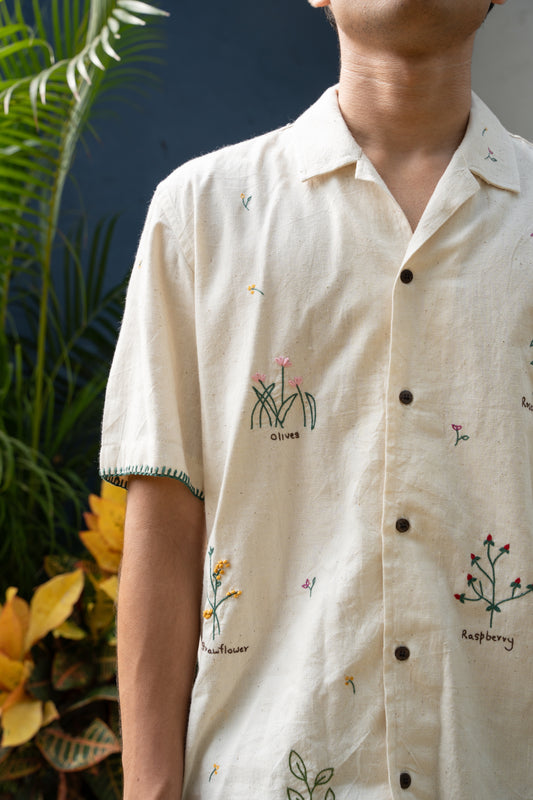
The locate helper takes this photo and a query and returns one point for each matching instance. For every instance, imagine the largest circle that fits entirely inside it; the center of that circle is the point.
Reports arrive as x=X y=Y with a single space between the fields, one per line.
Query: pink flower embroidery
x=283 y=361
x=458 y=438
x=309 y=585
x=294 y=382
x=259 y=377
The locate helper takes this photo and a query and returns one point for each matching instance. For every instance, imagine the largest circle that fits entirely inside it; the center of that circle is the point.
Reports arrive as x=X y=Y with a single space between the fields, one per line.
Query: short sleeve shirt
x=354 y=402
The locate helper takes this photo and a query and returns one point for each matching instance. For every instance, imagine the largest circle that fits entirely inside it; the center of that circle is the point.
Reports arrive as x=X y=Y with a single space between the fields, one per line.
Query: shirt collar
x=324 y=144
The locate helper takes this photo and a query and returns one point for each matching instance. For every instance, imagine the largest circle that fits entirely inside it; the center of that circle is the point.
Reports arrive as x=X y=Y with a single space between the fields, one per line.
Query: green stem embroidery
x=299 y=770
x=302 y=402
x=216 y=768
x=493 y=605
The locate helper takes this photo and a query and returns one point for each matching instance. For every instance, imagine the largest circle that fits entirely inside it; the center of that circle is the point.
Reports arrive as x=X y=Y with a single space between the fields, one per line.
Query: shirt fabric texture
x=354 y=402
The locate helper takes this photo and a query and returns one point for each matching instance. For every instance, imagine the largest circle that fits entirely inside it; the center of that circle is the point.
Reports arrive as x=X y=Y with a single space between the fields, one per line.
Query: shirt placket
x=412 y=678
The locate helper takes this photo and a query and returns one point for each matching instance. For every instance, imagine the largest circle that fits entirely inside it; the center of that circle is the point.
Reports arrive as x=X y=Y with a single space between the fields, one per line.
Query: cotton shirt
x=354 y=401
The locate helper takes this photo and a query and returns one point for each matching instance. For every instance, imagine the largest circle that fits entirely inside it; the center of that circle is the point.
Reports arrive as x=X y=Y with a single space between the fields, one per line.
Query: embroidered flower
x=309 y=585
x=490 y=156
x=484 y=587
x=216 y=768
x=348 y=681
x=253 y=288
x=215 y=579
x=245 y=200
x=458 y=438
x=273 y=404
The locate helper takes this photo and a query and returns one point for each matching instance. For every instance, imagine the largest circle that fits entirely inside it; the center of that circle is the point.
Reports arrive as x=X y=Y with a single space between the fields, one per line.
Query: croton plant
x=58 y=698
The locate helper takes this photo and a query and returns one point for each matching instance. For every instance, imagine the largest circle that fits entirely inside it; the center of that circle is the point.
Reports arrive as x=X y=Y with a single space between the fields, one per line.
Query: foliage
x=57 y=319
x=73 y=749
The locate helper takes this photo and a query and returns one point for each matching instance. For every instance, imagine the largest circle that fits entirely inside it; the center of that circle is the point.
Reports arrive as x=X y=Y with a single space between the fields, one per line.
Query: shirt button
x=402 y=653
x=406 y=397
x=402 y=525
x=405 y=780
x=406 y=276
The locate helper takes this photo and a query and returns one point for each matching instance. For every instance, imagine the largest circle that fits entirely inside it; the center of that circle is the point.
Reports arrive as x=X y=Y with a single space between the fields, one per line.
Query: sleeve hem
x=119 y=477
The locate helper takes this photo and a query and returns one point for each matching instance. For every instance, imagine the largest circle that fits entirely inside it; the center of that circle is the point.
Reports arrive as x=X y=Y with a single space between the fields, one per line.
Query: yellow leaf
x=14 y=620
x=107 y=558
x=11 y=672
x=111 y=517
x=68 y=630
x=110 y=587
x=21 y=722
x=101 y=614
x=50 y=713
x=109 y=491
x=52 y=604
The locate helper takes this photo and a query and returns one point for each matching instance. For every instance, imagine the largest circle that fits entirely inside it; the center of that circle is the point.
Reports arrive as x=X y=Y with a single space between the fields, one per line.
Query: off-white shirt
x=354 y=401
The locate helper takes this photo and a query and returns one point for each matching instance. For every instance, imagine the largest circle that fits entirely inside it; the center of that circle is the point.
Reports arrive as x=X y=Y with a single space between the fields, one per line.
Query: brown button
x=406 y=397
x=402 y=525
x=406 y=276
x=405 y=780
x=402 y=653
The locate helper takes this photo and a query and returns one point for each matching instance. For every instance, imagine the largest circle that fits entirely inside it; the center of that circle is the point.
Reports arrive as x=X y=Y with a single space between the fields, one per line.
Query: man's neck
x=409 y=116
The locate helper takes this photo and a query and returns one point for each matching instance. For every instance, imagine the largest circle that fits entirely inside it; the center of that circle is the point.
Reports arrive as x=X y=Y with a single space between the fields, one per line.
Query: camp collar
x=324 y=144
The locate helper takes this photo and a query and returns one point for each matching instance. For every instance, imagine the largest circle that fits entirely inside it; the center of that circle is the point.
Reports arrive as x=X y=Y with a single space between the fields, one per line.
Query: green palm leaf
x=54 y=66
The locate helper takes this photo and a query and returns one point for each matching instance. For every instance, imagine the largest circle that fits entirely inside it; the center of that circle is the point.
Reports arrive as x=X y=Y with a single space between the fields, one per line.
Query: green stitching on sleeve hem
x=119 y=476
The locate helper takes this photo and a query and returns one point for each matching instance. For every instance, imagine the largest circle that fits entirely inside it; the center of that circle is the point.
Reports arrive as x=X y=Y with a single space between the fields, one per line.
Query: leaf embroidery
x=299 y=770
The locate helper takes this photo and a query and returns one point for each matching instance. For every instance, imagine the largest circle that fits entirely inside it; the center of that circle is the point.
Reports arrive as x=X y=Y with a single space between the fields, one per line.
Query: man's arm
x=158 y=629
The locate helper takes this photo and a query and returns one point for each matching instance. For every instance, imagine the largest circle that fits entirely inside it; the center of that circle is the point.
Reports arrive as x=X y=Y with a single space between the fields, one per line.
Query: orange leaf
x=11 y=672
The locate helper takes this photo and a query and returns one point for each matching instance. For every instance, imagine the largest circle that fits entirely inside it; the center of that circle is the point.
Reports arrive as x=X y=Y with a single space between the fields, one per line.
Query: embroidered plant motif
x=299 y=770
x=245 y=201
x=484 y=131
x=531 y=345
x=490 y=156
x=215 y=577
x=458 y=428
x=216 y=768
x=309 y=585
x=348 y=681
x=476 y=584
x=253 y=288
x=274 y=410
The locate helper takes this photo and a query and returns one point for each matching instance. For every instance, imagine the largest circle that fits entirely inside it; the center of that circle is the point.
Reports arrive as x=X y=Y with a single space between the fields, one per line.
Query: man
x=326 y=343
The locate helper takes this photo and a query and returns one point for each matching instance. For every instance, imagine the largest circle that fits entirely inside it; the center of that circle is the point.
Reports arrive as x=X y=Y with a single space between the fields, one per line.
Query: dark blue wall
x=230 y=71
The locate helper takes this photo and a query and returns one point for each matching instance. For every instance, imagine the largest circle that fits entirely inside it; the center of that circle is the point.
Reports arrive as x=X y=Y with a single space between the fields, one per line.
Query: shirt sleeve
x=152 y=419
